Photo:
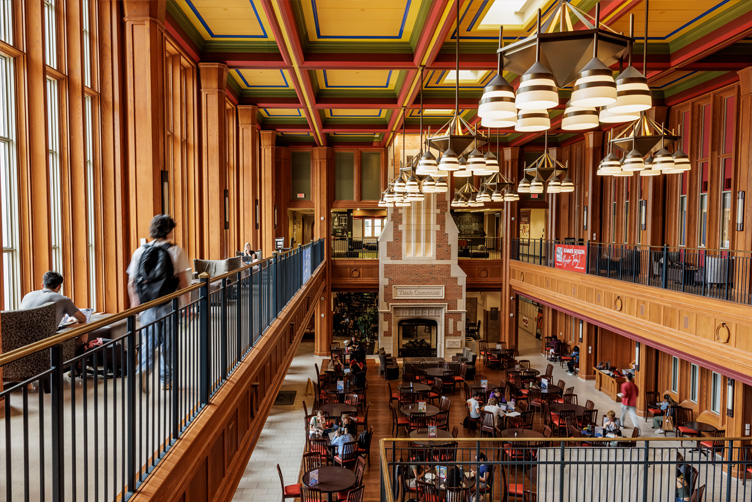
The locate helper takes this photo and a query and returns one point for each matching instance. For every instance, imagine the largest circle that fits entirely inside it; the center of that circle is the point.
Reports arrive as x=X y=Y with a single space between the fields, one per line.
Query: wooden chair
x=457 y=494
x=349 y=455
x=547 y=432
x=290 y=491
x=417 y=421
x=437 y=390
x=653 y=409
x=456 y=432
x=534 y=400
x=407 y=396
x=560 y=421
x=589 y=417
x=313 y=460
x=589 y=405
x=448 y=380
x=698 y=494
x=445 y=403
x=366 y=449
x=561 y=384
x=549 y=371
x=355 y=495
x=363 y=421
x=746 y=457
x=398 y=421
x=311 y=495
x=512 y=488
x=713 y=446
x=487 y=423
x=427 y=492
x=463 y=374
x=319 y=446
x=682 y=416
x=442 y=420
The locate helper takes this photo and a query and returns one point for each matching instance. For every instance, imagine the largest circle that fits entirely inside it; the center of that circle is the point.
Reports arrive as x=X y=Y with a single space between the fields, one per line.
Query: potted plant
x=365 y=325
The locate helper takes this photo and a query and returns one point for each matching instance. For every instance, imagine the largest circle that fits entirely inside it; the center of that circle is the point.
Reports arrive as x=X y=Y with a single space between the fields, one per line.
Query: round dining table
x=520 y=433
x=423 y=434
x=438 y=372
x=701 y=427
x=550 y=391
x=335 y=410
x=415 y=387
x=578 y=409
x=332 y=479
x=408 y=409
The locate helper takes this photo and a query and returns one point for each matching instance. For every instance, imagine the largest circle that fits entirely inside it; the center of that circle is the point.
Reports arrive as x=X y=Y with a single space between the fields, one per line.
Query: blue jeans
x=154 y=334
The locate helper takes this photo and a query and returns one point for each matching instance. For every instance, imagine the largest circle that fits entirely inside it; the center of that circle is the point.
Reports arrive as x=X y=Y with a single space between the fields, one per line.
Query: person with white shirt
x=474 y=405
x=494 y=408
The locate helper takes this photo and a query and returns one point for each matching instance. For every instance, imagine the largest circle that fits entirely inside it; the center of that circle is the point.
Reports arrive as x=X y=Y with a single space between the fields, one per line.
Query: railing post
x=621 y=260
x=204 y=347
x=634 y=265
x=58 y=412
x=645 y=472
x=587 y=257
x=683 y=262
x=251 y=341
x=664 y=268
x=727 y=263
x=223 y=333
x=239 y=315
x=608 y=261
x=730 y=456
x=276 y=288
x=131 y=404
x=175 y=372
x=540 y=252
x=561 y=472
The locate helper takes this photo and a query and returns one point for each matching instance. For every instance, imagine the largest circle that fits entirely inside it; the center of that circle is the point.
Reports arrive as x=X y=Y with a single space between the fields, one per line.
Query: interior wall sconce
x=740 y=211
x=730 y=384
x=165 y=191
x=637 y=356
x=584 y=218
x=227 y=209
x=580 y=329
x=643 y=214
x=257 y=214
x=275 y=217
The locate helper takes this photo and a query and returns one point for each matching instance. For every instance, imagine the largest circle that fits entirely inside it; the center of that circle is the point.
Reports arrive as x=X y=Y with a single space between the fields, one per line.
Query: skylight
x=510 y=13
x=466 y=76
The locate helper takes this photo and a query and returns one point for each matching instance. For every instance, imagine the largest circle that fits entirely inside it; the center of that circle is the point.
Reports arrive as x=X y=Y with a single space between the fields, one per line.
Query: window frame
x=9 y=190
x=674 y=374
x=54 y=166
x=50 y=25
x=694 y=383
x=716 y=392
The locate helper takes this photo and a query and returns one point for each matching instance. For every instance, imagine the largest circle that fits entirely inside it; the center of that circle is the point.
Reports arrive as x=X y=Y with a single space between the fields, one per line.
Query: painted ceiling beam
x=247 y=60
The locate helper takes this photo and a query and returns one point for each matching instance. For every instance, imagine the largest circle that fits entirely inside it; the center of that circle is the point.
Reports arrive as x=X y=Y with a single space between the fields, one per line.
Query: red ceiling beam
x=358 y=61
x=249 y=60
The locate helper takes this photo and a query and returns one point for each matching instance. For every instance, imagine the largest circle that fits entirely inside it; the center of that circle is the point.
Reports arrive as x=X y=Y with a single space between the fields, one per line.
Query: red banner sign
x=571 y=257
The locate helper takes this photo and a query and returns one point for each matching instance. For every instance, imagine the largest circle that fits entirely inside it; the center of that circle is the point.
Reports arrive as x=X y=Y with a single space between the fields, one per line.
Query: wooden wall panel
x=483 y=274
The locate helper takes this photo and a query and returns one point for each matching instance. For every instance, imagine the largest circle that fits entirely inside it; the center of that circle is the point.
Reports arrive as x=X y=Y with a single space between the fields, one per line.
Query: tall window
x=90 y=201
x=372 y=227
x=626 y=209
x=727 y=167
x=684 y=181
x=6 y=21
x=675 y=374
x=8 y=182
x=50 y=33
x=613 y=212
x=694 y=383
x=704 y=177
x=715 y=393
x=53 y=160
x=86 y=40
x=344 y=176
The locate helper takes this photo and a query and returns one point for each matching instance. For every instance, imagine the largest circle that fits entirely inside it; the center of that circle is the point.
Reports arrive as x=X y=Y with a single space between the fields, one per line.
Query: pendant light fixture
x=538 y=89
x=595 y=84
x=632 y=90
x=533 y=121
x=579 y=119
x=497 y=105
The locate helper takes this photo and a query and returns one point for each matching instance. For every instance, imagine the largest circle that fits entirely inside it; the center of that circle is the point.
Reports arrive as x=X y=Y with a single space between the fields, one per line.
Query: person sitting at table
x=612 y=424
x=415 y=472
x=347 y=422
x=474 y=405
x=317 y=425
x=454 y=477
x=336 y=364
x=341 y=437
x=498 y=394
x=683 y=483
x=494 y=408
x=665 y=407
x=483 y=476
x=575 y=355
x=52 y=283
x=358 y=369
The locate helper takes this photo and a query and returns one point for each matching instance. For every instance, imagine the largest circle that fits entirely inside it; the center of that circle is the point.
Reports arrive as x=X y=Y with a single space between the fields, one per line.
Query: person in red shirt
x=628 y=396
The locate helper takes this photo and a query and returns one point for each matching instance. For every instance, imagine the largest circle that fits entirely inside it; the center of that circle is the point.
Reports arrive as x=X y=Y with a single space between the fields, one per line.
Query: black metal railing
x=106 y=420
x=564 y=470
x=365 y=248
x=479 y=248
x=717 y=273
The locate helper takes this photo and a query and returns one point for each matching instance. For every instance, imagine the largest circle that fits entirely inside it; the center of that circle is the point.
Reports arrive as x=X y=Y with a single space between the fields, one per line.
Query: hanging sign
x=571 y=257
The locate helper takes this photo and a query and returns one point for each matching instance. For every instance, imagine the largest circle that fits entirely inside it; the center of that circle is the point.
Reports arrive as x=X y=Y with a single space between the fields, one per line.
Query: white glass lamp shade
x=418 y=197
x=649 y=162
x=533 y=121
x=610 y=164
x=476 y=161
x=536 y=186
x=537 y=90
x=449 y=161
x=456 y=201
x=602 y=171
x=382 y=203
x=497 y=100
x=595 y=86
x=649 y=171
x=427 y=164
x=606 y=116
x=441 y=185
x=523 y=186
x=483 y=196
x=389 y=196
x=664 y=161
x=633 y=161
x=497 y=196
x=496 y=123
x=429 y=184
x=681 y=162
x=579 y=119
x=632 y=93
x=567 y=185
x=492 y=165
x=463 y=173
x=412 y=185
x=400 y=186
x=554 y=185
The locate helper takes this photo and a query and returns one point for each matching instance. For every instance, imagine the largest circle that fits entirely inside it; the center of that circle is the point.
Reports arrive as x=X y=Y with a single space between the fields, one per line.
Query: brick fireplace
x=420 y=281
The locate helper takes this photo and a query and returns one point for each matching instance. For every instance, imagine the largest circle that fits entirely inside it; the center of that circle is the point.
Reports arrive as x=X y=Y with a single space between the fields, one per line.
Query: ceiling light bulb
x=537 y=90
x=595 y=86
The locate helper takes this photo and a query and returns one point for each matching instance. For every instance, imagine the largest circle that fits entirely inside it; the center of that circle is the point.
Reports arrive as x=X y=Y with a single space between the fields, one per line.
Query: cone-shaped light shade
x=449 y=161
x=523 y=186
x=533 y=121
x=632 y=93
x=476 y=161
x=497 y=101
x=606 y=116
x=663 y=160
x=537 y=90
x=633 y=161
x=499 y=123
x=595 y=86
x=579 y=119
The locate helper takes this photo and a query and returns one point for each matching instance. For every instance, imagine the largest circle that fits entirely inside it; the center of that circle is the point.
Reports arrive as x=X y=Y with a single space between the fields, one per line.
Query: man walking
x=156 y=269
x=628 y=396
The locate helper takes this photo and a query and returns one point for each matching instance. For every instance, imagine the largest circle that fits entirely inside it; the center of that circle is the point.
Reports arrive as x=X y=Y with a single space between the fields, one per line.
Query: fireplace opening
x=417 y=338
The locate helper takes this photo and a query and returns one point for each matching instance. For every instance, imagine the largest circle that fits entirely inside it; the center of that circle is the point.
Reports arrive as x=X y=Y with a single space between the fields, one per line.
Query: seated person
x=415 y=472
x=454 y=477
x=612 y=425
x=474 y=405
x=575 y=355
x=336 y=365
x=665 y=407
x=317 y=425
x=52 y=282
x=483 y=476
x=494 y=408
x=683 y=483
x=343 y=436
x=359 y=372
x=554 y=348
x=498 y=394
x=249 y=255
x=347 y=422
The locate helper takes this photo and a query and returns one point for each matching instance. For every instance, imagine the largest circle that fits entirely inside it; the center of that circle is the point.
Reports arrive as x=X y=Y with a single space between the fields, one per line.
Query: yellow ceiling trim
x=296 y=67
x=449 y=10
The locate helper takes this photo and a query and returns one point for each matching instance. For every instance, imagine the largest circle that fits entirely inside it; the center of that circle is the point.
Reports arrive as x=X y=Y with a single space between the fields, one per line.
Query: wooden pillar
x=322 y=166
x=145 y=111
x=587 y=350
x=248 y=193
x=33 y=182
x=646 y=378
x=214 y=152
x=743 y=239
x=282 y=193
x=592 y=199
x=267 y=195
x=509 y=166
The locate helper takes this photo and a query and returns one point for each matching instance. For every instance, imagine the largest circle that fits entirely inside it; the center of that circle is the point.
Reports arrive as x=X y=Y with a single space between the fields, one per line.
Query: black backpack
x=156 y=274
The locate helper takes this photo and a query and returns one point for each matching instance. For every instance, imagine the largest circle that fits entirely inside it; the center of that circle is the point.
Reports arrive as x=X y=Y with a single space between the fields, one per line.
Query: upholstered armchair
x=216 y=267
x=24 y=327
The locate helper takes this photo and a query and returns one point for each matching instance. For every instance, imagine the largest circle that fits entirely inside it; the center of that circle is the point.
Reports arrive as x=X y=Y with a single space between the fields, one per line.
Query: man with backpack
x=157 y=268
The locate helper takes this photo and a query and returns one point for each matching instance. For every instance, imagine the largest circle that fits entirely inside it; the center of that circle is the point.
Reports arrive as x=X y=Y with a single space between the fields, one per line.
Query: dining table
x=520 y=433
x=423 y=434
x=578 y=409
x=335 y=410
x=438 y=372
x=408 y=409
x=703 y=430
x=415 y=388
x=331 y=479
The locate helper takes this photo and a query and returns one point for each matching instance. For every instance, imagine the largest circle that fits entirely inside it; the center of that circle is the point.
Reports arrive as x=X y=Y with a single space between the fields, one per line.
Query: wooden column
x=743 y=239
x=646 y=378
x=322 y=166
x=509 y=166
x=592 y=199
x=282 y=193
x=33 y=180
x=144 y=68
x=248 y=192
x=267 y=196
x=587 y=350
x=214 y=152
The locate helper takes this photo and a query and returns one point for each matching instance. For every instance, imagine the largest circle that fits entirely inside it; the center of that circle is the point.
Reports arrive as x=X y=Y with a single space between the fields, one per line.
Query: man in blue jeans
x=153 y=327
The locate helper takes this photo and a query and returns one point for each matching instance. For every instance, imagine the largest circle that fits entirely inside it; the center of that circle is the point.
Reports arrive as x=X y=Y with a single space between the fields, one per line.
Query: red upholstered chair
x=367 y=446
x=360 y=467
x=398 y=421
x=681 y=417
x=712 y=445
x=320 y=446
x=289 y=491
x=653 y=410
x=349 y=455
x=309 y=495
